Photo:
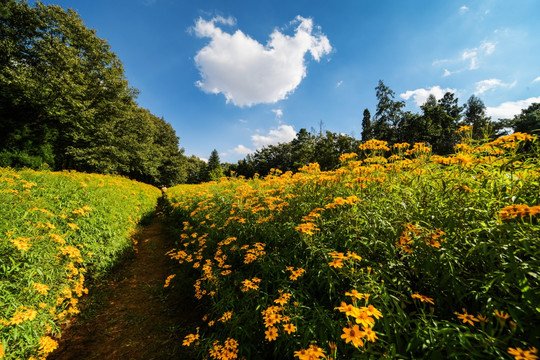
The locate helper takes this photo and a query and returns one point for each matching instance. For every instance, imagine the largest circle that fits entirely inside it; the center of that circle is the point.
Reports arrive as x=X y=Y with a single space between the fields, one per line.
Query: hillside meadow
x=58 y=230
x=396 y=254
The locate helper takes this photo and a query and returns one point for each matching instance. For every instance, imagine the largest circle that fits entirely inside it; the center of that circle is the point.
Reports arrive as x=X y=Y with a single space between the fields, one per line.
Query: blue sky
x=238 y=75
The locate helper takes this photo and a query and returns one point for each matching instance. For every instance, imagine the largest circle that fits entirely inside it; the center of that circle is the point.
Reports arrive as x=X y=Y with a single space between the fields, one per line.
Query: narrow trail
x=130 y=315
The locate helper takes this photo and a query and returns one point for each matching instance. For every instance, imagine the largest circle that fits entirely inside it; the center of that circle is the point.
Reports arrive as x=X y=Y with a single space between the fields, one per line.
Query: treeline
x=65 y=102
x=435 y=125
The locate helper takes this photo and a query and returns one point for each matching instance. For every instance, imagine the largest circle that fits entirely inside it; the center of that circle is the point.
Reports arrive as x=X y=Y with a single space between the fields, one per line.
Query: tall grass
x=56 y=231
x=396 y=254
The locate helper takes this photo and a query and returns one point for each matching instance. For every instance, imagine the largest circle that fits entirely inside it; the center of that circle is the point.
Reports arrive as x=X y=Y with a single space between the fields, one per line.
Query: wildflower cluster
x=401 y=232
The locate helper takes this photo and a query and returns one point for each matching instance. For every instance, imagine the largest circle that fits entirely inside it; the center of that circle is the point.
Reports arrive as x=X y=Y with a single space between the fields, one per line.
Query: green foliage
x=475 y=115
x=58 y=230
x=528 y=120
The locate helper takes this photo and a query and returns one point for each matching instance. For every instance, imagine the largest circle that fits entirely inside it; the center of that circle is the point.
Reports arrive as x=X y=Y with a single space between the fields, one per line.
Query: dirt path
x=130 y=315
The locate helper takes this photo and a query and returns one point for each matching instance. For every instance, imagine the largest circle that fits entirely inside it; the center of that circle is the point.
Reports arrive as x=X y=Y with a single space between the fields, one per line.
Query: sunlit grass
x=56 y=231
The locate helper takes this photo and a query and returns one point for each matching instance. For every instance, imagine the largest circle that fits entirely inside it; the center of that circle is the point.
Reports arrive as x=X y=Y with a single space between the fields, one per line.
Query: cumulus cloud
x=508 y=109
x=536 y=80
x=463 y=9
x=241 y=150
x=283 y=133
x=485 y=85
x=420 y=95
x=247 y=72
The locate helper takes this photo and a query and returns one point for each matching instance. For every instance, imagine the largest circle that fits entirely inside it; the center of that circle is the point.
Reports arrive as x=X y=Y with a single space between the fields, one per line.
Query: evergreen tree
x=366 y=126
x=214 y=171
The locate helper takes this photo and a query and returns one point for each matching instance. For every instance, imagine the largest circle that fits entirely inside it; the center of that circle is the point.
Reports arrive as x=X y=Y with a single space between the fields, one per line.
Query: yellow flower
x=482 y=318
x=466 y=318
x=2 y=353
x=501 y=315
x=41 y=288
x=363 y=317
x=21 y=243
x=47 y=345
x=354 y=335
x=369 y=333
x=372 y=311
x=189 y=339
x=289 y=328
x=168 y=280
x=348 y=309
x=271 y=333
x=336 y=263
x=226 y=316
x=422 y=298
x=23 y=314
x=520 y=354
x=357 y=295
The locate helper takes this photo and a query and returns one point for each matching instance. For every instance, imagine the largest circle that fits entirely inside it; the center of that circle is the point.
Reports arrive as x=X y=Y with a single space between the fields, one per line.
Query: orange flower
x=289 y=328
x=422 y=298
x=520 y=354
x=271 y=333
x=354 y=335
x=466 y=318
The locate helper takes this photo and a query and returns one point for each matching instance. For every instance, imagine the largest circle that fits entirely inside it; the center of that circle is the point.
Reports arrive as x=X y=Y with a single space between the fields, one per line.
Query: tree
x=366 y=126
x=475 y=115
x=64 y=100
x=214 y=171
x=528 y=121
x=195 y=170
x=388 y=116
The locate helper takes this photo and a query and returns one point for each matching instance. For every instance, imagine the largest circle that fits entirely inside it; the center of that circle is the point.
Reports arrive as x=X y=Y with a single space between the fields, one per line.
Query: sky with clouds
x=239 y=75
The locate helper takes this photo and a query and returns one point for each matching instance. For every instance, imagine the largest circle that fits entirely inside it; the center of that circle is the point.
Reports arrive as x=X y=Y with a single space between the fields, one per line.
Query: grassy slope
x=57 y=230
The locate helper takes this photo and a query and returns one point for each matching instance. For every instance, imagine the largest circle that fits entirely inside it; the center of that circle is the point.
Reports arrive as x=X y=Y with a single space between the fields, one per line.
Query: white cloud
x=241 y=150
x=247 y=72
x=508 y=109
x=339 y=83
x=487 y=47
x=470 y=56
x=243 y=121
x=463 y=9
x=536 y=80
x=283 y=134
x=278 y=112
x=420 y=95
x=485 y=85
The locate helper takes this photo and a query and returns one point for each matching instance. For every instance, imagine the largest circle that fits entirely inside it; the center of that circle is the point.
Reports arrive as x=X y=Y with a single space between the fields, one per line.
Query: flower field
x=57 y=230
x=396 y=254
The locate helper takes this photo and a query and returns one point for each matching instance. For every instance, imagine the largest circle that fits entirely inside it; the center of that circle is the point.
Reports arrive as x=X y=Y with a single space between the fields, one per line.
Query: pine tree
x=367 y=131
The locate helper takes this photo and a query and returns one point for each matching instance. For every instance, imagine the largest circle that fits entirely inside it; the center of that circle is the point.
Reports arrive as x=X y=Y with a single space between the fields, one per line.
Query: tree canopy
x=65 y=101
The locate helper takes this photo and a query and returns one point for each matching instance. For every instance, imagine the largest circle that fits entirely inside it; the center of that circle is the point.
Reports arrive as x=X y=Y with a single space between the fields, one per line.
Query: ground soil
x=130 y=315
